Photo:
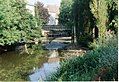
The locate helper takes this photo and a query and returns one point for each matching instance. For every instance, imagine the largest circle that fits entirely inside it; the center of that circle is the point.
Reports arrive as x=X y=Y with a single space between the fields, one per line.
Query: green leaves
x=65 y=16
x=16 y=22
x=90 y=66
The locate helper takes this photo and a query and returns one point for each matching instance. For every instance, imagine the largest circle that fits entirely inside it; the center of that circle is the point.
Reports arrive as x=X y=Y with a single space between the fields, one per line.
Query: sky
x=57 y=2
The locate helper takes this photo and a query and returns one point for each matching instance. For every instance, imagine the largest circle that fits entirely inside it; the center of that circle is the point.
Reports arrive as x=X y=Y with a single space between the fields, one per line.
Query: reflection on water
x=10 y=59
x=13 y=65
x=19 y=65
x=47 y=68
x=51 y=65
x=53 y=53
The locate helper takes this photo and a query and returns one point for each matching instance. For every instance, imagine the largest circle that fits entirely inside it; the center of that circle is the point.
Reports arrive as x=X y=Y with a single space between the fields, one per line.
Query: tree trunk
x=73 y=34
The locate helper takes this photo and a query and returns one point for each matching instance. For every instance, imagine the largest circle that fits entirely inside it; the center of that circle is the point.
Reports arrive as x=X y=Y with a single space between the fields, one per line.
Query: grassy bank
x=98 y=64
x=16 y=67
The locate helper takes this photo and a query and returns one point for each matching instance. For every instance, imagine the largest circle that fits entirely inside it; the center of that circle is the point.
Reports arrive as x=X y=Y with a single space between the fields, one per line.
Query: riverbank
x=100 y=64
x=72 y=51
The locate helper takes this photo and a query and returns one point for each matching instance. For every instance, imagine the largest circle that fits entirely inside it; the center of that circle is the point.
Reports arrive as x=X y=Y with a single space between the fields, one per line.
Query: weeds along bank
x=98 y=64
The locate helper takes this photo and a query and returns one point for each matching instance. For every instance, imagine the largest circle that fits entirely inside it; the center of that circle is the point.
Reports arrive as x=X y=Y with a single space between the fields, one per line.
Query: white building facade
x=53 y=10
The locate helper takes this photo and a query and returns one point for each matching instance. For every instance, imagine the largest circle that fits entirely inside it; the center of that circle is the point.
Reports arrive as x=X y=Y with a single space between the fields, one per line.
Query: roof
x=53 y=8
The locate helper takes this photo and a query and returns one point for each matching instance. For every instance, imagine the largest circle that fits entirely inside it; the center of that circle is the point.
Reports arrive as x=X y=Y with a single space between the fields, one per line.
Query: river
x=45 y=70
x=52 y=63
x=15 y=66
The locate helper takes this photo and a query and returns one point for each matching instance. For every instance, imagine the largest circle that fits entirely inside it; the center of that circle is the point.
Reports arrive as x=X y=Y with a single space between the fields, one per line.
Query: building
x=53 y=11
x=53 y=19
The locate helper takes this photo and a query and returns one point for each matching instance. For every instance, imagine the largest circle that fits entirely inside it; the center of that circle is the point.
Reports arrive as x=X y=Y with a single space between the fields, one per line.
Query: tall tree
x=65 y=16
x=99 y=9
x=105 y=12
x=41 y=13
x=84 y=20
x=89 y=14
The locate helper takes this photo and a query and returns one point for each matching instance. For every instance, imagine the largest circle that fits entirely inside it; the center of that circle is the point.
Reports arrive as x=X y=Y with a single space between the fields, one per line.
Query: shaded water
x=14 y=59
x=13 y=62
x=16 y=66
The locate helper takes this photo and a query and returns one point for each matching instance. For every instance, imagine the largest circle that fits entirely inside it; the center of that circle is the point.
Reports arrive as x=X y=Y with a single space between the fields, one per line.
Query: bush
x=98 y=64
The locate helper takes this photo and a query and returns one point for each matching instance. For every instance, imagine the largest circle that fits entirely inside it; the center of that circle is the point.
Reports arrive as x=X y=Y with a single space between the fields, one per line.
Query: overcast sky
x=57 y=2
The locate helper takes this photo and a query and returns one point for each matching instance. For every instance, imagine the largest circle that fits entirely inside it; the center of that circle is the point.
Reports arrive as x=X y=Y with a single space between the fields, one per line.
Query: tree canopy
x=85 y=15
x=65 y=16
x=41 y=13
x=16 y=23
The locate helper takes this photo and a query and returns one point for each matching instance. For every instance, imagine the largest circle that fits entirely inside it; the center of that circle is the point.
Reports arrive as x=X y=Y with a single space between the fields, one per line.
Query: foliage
x=85 y=15
x=77 y=14
x=98 y=64
x=105 y=12
x=83 y=18
x=16 y=23
x=99 y=9
x=65 y=16
x=41 y=13
x=113 y=15
x=100 y=41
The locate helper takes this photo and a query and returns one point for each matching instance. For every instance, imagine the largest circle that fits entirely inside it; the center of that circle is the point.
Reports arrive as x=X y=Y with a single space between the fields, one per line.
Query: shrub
x=98 y=64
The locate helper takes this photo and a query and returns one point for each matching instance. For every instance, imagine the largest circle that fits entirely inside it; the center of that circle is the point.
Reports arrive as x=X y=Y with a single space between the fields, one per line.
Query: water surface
x=47 y=68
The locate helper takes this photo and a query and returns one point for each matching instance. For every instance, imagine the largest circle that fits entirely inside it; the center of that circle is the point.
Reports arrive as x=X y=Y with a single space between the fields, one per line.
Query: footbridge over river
x=56 y=33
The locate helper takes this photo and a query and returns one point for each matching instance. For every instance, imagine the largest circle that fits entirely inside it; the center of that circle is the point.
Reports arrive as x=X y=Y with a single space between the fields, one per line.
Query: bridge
x=56 y=36
x=56 y=32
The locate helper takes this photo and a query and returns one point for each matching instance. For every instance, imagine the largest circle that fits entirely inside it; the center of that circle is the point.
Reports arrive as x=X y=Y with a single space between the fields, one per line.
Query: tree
x=16 y=23
x=65 y=16
x=99 y=9
x=84 y=21
x=105 y=12
x=41 y=13
x=112 y=15
x=87 y=15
